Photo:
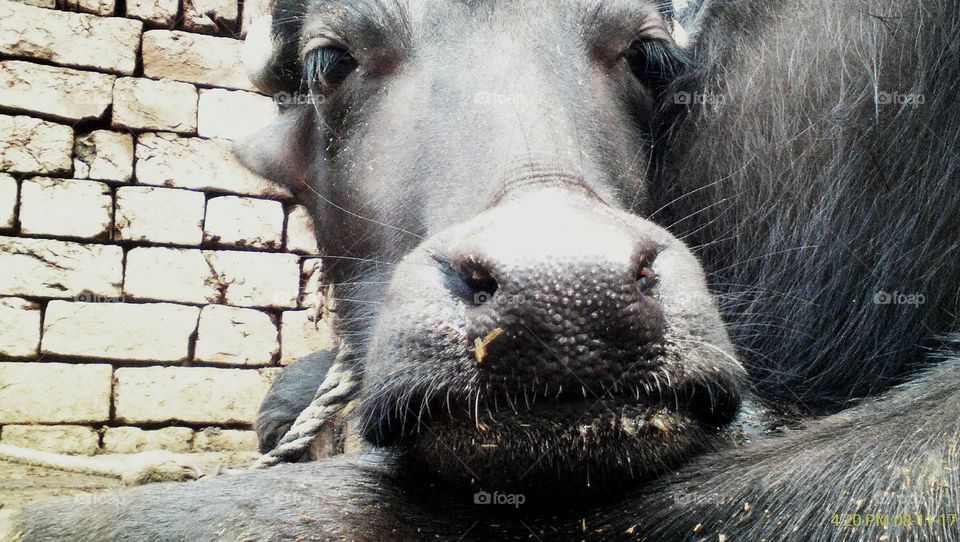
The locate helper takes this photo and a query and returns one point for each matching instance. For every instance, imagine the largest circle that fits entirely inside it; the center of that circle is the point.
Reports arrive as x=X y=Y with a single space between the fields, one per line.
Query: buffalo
x=608 y=270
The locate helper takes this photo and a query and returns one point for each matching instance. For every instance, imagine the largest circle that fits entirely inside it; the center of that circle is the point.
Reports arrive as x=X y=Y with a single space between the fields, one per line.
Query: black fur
x=821 y=196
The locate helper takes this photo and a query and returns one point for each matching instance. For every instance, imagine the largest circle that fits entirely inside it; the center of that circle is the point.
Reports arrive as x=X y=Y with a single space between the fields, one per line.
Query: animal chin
x=535 y=443
x=603 y=446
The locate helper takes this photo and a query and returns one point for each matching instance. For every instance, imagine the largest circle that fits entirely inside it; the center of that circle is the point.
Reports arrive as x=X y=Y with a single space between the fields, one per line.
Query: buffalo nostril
x=647 y=280
x=644 y=275
x=478 y=279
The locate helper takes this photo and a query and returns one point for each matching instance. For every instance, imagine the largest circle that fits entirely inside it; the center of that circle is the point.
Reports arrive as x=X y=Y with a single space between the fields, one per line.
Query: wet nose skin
x=560 y=292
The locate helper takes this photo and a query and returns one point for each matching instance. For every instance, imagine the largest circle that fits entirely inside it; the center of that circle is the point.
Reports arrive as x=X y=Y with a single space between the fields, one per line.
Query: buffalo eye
x=655 y=62
x=325 y=67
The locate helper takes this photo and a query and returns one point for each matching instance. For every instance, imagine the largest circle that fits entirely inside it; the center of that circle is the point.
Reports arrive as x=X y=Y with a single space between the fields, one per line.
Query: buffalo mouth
x=493 y=435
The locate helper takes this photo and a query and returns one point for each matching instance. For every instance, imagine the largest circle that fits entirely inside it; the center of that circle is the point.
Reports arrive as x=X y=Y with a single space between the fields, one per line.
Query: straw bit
x=480 y=345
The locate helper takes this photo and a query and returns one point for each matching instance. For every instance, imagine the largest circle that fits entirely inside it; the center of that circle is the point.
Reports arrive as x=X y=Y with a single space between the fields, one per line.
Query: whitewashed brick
x=315 y=293
x=188 y=394
x=244 y=222
x=48 y=268
x=49 y=4
x=47 y=393
x=103 y=155
x=207 y=60
x=65 y=208
x=257 y=279
x=61 y=439
x=245 y=279
x=215 y=439
x=8 y=202
x=200 y=164
x=159 y=12
x=170 y=274
x=231 y=335
x=218 y=113
x=301 y=336
x=63 y=93
x=131 y=440
x=96 y=7
x=210 y=16
x=157 y=332
x=145 y=104
x=72 y=39
x=301 y=235
x=19 y=327
x=29 y=145
x=159 y=215
x=270 y=374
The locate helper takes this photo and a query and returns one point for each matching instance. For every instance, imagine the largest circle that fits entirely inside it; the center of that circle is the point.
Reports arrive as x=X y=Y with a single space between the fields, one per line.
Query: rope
x=335 y=392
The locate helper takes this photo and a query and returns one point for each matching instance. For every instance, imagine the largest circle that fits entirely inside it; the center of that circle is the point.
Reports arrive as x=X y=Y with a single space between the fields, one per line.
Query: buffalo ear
x=281 y=152
x=270 y=50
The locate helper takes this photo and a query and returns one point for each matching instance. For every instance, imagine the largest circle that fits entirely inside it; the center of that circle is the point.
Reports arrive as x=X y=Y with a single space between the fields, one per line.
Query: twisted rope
x=334 y=394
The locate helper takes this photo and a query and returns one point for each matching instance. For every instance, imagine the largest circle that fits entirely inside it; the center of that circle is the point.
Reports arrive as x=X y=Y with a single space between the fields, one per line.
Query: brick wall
x=150 y=287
